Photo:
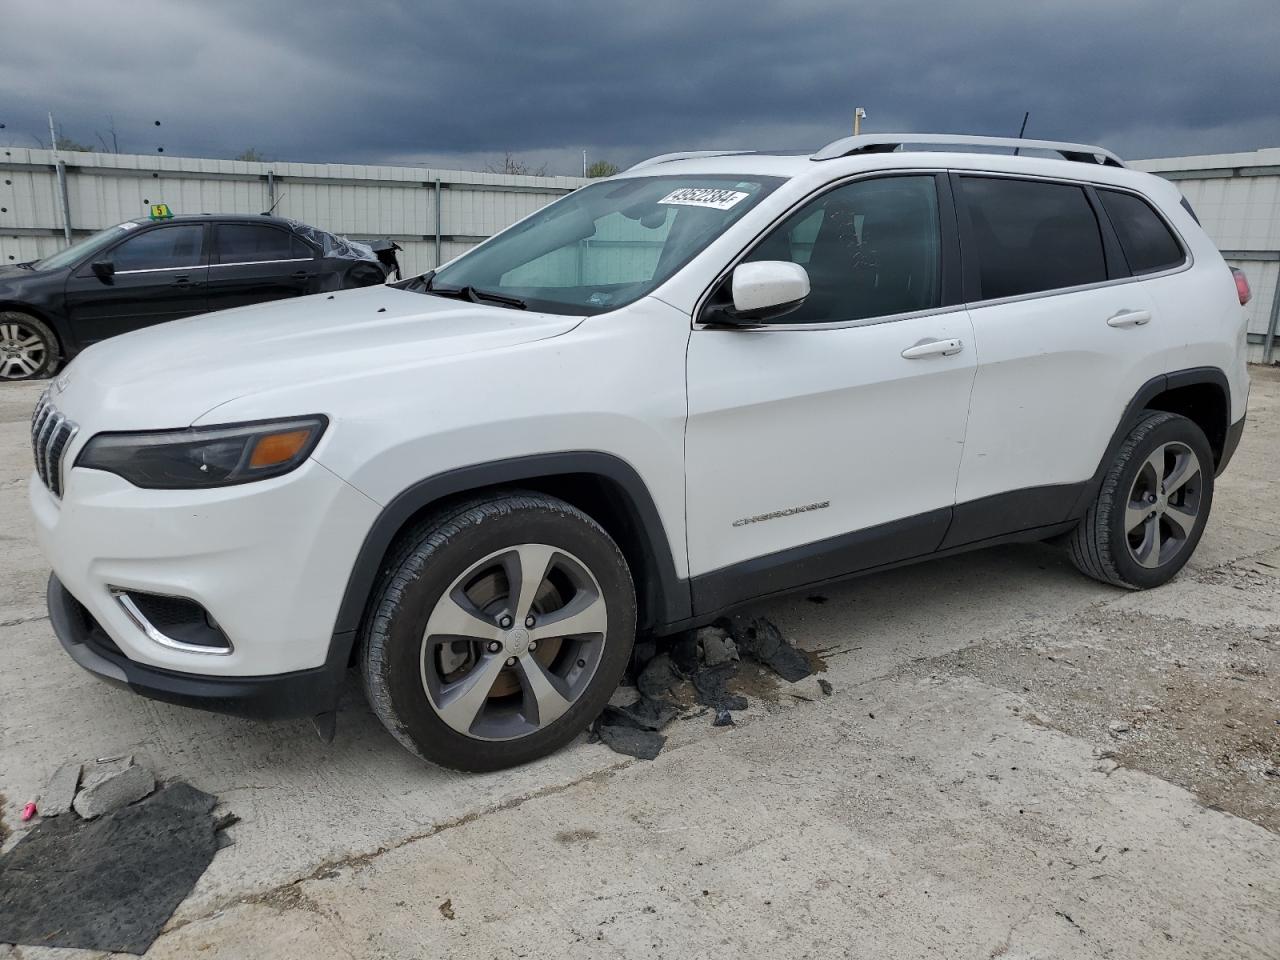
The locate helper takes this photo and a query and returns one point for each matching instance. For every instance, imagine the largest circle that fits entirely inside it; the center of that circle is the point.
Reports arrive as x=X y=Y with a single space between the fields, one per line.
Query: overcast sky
x=458 y=83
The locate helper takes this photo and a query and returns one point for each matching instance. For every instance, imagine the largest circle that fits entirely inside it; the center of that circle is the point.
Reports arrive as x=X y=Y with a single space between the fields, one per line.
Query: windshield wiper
x=427 y=281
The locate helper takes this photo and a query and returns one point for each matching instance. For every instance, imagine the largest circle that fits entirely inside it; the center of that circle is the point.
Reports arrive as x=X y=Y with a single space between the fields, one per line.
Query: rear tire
x=468 y=655
x=1152 y=507
x=28 y=348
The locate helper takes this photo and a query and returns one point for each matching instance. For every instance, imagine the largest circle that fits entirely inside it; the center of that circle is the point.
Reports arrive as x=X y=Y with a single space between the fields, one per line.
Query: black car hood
x=12 y=271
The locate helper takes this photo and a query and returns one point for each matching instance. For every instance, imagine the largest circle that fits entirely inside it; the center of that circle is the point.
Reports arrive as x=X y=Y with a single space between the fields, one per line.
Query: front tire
x=1152 y=506
x=28 y=348
x=499 y=631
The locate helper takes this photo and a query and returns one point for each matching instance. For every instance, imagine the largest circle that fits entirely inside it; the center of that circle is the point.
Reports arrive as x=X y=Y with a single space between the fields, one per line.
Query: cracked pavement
x=1014 y=762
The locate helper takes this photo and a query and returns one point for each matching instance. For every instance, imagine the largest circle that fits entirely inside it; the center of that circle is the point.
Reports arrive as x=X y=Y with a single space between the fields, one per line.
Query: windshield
x=89 y=245
x=605 y=245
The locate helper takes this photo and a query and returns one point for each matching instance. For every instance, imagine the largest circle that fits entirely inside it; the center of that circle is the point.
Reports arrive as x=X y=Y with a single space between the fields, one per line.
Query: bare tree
x=110 y=141
x=514 y=165
x=250 y=154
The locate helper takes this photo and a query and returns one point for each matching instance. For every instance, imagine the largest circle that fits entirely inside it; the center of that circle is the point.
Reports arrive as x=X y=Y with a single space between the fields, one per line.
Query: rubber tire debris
x=763 y=642
x=646 y=713
x=711 y=687
x=658 y=676
x=633 y=742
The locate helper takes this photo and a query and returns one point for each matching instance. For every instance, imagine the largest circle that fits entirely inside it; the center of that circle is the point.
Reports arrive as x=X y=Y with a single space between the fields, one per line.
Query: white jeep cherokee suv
x=710 y=379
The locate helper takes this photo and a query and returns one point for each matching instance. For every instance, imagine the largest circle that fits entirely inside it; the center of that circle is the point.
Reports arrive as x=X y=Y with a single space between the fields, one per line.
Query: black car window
x=871 y=249
x=1146 y=241
x=255 y=243
x=1028 y=236
x=160 y=248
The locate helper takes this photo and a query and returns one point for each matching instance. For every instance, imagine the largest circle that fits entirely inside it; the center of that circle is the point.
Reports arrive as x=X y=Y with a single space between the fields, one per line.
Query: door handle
x=299 y=275
x=185 y=282
x=933 y=348
x=1129 y=318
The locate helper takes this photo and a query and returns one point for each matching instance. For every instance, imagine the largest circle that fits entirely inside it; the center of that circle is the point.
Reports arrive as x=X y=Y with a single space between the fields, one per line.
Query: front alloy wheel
x=499 y=632
x=28 y=347
x=514 y=642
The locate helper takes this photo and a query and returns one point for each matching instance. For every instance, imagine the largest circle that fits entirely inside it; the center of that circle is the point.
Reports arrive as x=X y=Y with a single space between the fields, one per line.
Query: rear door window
x=1146 y=240
x=254 y=243
x=1030 y=235
x=160 y=248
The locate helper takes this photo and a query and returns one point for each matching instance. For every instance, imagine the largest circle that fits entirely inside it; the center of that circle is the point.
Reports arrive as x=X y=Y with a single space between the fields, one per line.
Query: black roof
x=227 y=217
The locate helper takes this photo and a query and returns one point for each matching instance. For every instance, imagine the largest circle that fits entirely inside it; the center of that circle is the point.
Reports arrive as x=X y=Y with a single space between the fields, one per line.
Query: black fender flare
x=667 y=602
x=1146 y=393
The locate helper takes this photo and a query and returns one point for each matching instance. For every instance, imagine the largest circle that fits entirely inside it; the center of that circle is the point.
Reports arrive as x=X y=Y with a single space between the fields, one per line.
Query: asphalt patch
x=111 y=883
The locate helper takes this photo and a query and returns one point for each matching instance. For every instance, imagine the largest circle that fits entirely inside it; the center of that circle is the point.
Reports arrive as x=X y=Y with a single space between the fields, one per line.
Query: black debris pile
x=109 y=883
x=709 y=660
x=761 y=640
x=711 y=685
x=633 y=729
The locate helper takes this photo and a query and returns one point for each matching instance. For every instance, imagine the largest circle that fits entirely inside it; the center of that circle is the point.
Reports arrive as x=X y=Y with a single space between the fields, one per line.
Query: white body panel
x=1053 y=380
x=792 y=418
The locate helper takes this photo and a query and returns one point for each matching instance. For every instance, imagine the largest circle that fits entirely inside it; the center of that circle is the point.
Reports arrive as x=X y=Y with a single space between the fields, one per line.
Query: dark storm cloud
x=460 y=83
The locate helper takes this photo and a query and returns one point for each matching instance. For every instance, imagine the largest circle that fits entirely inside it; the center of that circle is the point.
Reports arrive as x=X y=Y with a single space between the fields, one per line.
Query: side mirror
x=104 y=270
x=764 y=290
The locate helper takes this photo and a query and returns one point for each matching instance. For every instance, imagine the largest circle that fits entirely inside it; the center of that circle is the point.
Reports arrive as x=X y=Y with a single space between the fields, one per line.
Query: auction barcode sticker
x=704 y=197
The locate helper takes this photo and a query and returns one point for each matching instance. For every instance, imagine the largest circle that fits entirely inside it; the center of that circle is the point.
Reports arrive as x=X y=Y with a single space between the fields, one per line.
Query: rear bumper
x=298 y=694
x=1234 y=433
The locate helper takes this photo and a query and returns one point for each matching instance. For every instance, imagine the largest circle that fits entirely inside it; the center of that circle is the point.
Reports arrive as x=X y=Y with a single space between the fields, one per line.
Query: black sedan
x=144 y=272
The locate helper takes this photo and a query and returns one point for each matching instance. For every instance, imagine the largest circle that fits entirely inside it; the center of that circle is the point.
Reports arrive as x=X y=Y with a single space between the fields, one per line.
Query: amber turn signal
x=277 y=448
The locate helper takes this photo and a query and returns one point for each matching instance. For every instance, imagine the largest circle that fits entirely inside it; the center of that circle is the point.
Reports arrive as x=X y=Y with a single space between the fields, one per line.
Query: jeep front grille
x=51 y=432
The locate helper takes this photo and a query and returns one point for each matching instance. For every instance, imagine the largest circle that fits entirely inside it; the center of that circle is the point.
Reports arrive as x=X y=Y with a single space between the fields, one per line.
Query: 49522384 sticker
x=713 y=197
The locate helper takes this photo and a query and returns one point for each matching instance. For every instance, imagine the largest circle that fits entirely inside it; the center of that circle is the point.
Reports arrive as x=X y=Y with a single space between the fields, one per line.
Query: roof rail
x=685 y=155
x=888 y=142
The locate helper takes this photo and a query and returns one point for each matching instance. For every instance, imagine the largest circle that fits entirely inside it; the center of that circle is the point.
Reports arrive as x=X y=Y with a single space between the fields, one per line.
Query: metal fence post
x=437 y=263
x=61 y=169
x=1270 y=342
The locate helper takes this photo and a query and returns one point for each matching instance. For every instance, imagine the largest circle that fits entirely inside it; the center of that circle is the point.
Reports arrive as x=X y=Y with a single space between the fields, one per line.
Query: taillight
x=1242 y=286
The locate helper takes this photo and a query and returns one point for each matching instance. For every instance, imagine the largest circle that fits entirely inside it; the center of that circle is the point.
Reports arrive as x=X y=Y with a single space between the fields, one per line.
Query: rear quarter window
x=1148 y=244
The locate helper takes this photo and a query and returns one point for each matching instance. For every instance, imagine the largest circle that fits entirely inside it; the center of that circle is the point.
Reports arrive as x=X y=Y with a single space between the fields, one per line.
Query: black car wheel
x=28 y=348
x=499 y=631
x=1152 y=506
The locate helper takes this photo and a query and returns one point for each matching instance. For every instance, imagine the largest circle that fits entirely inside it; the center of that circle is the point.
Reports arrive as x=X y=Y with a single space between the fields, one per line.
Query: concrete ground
x=1014 y=762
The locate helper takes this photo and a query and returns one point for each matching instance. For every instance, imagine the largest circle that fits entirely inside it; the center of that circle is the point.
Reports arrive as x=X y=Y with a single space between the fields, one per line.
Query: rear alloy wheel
x=28 y=348
x=500 y=632
x=1152 y=507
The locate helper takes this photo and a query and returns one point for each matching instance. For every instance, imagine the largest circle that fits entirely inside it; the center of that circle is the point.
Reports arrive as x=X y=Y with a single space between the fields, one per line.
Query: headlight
x=205 y=456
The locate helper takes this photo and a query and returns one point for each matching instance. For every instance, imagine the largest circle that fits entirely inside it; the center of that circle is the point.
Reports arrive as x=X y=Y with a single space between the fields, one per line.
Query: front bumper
x=298 y=694
x=267 y=561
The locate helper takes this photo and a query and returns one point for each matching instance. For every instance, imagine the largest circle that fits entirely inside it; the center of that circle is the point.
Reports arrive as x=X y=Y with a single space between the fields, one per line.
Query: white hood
x=168 y=375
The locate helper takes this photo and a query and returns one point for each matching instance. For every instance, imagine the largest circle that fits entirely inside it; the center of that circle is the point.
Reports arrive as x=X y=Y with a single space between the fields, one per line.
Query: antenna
x=1017 y=151
x=272 y=209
